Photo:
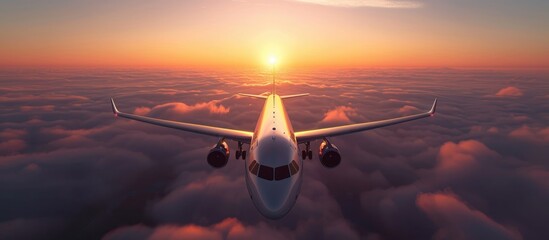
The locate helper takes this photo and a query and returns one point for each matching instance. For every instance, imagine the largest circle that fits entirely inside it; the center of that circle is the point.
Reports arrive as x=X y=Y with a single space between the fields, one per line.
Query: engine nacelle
x=329 y=154
x=219 y=155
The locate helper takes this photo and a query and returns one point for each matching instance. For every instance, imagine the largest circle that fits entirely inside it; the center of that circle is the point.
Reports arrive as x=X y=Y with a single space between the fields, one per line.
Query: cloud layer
x=458 y=221
x=70 y=170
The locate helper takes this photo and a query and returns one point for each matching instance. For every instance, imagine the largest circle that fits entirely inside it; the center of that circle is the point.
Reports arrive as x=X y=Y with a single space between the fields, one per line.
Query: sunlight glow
x=272 y=60
x=286 y=34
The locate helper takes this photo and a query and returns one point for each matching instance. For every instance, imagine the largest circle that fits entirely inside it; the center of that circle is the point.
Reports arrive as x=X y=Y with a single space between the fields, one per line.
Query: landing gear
x=307 y=153
x=239 y=152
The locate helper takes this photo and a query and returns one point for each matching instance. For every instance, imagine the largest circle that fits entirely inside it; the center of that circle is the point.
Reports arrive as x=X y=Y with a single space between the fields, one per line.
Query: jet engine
x=219 y=154
x=329 y=154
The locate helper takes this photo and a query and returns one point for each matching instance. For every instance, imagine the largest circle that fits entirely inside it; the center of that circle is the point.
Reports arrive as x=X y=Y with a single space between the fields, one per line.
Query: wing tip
x=434 y=107
x=114 y=109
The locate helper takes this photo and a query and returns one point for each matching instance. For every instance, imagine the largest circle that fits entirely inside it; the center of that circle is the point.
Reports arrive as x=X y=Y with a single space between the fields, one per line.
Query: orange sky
x=367 y=33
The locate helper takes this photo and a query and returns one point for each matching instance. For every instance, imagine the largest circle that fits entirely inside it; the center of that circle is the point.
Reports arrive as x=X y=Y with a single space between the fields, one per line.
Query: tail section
x=265 y=97
x=274 y=83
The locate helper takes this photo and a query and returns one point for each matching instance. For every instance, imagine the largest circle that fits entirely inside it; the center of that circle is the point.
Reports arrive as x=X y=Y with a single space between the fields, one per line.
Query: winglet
x=114 y=109
x=433 y=108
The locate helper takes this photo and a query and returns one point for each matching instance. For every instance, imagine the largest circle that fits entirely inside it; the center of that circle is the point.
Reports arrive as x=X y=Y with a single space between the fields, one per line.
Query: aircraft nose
x=275 y=201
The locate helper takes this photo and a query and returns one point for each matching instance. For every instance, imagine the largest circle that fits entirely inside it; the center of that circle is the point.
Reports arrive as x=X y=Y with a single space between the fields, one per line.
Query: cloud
x=394 y=91
x=493 y=130
x=537 y=175
x=61 y=184
x=476 y=129
x=45 y=97
x=408 y=109
x=11 y=141
x=228 y=228
x=340 y=230
x=366 y=3
x=534 y=135
x=454 y=157
x=339 y=114
x=458 y=221
x=182 y=108
x=521 y=118
x=141 y=110
x=509 y=92
x=185 y=232
x=399 y=101
x=204 y=194
x=11 y=133
x=46 y=108
x=11 y=146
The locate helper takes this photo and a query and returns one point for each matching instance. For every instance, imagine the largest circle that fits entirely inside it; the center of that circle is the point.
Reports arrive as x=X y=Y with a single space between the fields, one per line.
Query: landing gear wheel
x=307 y=153
x=239 y=152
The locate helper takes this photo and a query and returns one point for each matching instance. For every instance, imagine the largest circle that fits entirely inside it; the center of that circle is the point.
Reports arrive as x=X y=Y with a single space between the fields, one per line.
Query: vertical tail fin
x=274 y=83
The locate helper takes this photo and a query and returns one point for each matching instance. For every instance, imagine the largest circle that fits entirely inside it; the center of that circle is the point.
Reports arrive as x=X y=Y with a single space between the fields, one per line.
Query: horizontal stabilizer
x=294 y=96
x=253 y=95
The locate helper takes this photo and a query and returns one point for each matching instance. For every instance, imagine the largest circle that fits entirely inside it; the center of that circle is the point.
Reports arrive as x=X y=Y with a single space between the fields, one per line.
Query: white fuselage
x=272 y=177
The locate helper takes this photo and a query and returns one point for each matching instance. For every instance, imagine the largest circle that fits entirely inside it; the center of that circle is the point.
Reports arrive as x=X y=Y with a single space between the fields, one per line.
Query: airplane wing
x=310 y=135
x=237 y=135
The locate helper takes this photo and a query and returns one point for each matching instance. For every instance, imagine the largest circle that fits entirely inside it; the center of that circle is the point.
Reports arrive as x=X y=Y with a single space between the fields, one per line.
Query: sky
x=301 y=33
x=478 y=169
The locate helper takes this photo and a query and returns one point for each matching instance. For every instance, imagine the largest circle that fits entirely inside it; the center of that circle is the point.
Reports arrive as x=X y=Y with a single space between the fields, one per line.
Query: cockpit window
x=269 y=173
x=266 y=172
x=254 y=167
x=282 y=172
x=294 y=168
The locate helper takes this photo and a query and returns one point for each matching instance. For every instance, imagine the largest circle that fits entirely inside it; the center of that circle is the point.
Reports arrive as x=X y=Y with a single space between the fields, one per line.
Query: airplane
x=273 y=169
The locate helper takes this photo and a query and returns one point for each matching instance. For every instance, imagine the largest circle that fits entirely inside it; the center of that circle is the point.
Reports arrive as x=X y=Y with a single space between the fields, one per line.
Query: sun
x=272 y=60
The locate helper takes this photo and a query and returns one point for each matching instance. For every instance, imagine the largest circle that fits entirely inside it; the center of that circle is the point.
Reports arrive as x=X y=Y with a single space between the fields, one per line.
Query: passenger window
x=294 y=168
x=266 y=172
x=282 y=172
